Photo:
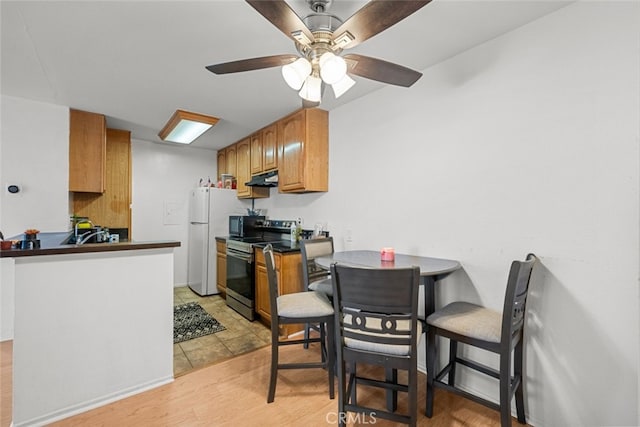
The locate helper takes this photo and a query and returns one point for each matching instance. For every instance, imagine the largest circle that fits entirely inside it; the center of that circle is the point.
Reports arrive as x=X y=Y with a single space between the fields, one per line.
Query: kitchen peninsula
x=93 y=324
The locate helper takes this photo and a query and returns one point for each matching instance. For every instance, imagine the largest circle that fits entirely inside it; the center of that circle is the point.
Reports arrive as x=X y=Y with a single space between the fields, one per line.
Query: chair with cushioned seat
x=313 y=277
x=377 y=324
x=299 y=307
x=477 y=326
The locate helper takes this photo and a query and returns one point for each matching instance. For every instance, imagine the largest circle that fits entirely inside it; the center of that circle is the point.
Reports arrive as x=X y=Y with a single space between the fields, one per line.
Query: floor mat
x=192 y=321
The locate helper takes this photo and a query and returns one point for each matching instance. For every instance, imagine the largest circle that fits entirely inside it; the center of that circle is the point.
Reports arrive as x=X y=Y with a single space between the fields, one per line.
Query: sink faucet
x=75 y=234
x=86 y=236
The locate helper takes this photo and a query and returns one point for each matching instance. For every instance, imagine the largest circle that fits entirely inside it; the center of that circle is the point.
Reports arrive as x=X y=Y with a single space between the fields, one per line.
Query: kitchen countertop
x=282 y=246
x=51 y=244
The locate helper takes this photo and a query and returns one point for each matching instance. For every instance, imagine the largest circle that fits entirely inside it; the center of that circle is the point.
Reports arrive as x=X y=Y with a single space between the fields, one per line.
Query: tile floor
x=240 y=336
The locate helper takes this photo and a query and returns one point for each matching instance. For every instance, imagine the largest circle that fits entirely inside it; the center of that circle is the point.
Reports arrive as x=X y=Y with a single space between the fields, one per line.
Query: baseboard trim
x=92 y=404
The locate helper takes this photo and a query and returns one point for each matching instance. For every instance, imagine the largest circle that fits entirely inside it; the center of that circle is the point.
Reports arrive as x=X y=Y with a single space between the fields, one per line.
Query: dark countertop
x=50 y=244
x=283 y=246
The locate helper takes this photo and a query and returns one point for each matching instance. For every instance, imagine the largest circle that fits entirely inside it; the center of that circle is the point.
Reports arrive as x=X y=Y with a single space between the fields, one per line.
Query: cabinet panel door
x=221 y=267
x=222 y=164
x=87 y=151
x=112 y=208
x=291 y=163
x=270 y=148
x=243 y=168
x=230 y=154
x=256 y=153
x=262 y=293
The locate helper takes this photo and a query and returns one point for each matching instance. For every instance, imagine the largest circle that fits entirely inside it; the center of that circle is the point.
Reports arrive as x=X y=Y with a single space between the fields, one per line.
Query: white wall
x=34 y=153
x=162 y=178
x=526 y=143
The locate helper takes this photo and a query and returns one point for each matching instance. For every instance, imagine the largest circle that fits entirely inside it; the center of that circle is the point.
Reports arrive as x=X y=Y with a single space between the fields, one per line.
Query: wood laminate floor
x=232 y=391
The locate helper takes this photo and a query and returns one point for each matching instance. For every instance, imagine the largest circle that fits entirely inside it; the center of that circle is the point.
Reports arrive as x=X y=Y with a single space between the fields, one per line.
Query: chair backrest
x=376 y=306
x=272 y=279
x=515 y=300
x=310 y=250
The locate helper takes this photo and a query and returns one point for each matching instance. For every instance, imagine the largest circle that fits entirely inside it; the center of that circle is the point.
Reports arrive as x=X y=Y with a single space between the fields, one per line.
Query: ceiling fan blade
x=379 y=70
x=252 y=64
x=375 y=17
x=282 y=16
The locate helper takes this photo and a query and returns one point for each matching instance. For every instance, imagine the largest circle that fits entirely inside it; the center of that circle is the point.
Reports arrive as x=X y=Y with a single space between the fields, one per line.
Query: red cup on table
x=387 y=254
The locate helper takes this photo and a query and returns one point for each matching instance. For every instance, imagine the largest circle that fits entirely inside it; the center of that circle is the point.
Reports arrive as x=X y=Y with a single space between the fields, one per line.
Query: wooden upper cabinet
x=243 y=160
x=230 y=154
x=87 y=151
x=270 y=148
x=222 y=163
x=303 y=158
x=256 y=153
x=243 y=172
x=113 y=207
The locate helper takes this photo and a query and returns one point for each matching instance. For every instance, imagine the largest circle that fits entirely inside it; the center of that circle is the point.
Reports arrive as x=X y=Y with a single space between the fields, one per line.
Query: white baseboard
x=92 y=404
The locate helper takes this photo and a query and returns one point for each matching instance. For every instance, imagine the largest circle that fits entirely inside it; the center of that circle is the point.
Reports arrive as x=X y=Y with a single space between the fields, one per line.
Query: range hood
x=267 y=179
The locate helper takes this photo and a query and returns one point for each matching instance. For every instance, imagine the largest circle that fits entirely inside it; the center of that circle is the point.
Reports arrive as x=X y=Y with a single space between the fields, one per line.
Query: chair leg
x=391 y=376
x=323 y=343
x=505 y=389
x=342 y=387
x=351 y=389
x=518 y=363
x=274 y=365
x=306 y=335
x=413 y=394
x=453 y=354
x=431 y=369
x=330 y=358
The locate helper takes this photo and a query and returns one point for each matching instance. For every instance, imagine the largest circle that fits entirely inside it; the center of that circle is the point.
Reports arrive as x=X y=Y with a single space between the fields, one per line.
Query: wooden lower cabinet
x=221 y=267
x=289 y=272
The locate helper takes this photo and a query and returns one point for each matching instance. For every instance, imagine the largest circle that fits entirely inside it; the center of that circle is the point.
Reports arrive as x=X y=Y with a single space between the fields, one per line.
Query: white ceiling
x=139 y=61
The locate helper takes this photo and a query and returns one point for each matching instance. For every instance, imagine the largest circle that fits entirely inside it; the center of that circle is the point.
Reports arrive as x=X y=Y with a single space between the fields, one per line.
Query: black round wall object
x=13 y=189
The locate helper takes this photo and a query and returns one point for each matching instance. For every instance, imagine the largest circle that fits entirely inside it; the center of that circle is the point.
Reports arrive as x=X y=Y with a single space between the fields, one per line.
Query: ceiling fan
x=320 y=39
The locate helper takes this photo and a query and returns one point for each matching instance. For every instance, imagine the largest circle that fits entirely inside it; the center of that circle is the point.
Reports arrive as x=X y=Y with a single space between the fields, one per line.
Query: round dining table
x=431 y=269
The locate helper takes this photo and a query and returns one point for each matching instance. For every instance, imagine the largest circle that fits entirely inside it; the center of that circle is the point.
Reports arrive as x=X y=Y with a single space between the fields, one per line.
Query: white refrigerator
x=209 y=210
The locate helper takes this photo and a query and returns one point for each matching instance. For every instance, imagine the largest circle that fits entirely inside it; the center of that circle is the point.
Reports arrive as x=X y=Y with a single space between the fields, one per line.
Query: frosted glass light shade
x=187 y=131
x=342 y=85
x=311 y=89
x=184 y=127
x=296 y=73
x=332 y=68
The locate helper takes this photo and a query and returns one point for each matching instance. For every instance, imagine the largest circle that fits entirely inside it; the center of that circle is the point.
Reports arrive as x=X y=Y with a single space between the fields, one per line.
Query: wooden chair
x=300 y=307
x=377 y=324
x=500 y=333
x=313 y=277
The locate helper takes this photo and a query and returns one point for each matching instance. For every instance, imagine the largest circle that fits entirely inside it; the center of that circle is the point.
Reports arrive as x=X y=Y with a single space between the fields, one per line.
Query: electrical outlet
x=348 y=236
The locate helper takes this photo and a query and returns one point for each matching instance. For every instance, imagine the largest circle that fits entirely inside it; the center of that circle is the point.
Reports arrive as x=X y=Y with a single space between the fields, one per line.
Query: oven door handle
x=241 y=255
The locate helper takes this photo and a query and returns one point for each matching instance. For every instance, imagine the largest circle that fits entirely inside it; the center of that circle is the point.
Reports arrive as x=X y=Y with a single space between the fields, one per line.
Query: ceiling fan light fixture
x=343 y=40
x=342 y=85
x=184 y=127
x=301 y=37
x=312 y=89
x=296 y=73
x=332 y=67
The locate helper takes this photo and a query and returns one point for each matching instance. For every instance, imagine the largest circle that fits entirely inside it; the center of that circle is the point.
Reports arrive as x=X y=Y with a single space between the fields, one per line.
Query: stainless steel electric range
x=240 y=260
